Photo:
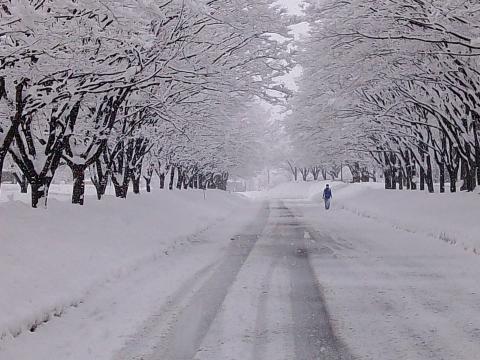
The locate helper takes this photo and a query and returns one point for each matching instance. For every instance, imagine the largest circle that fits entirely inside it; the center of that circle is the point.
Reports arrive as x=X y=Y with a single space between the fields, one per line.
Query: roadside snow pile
x=450 y=217
x=50 y=260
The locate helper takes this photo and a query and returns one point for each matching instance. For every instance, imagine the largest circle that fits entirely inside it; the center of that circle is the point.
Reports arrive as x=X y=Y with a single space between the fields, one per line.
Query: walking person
x=327 y=196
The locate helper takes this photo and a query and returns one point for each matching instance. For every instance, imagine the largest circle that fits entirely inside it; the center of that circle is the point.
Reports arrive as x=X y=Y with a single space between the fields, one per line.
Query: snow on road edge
x=447 y=217
x=52 y=260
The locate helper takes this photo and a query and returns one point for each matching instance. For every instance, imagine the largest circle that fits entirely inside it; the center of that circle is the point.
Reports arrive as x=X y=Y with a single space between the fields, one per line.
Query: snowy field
x=51 y=261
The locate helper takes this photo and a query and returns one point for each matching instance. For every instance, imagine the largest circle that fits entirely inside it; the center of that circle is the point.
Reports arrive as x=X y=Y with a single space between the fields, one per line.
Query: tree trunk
x=9 y=135
x=102 y=187
x=388 y=178
x=120 y=190
x=441 y=167
x=408 y=175
x=304 y=171
x=135 y=174
x=355 y=170
x=387 y=172
x=136 y=184
x=472 y=184
x=468 y=171
x=201 y=182
x=477 y=151
x=162 y=180
x=400 y=179
x=148 y=181
x=413 y=184
x=172 y=177
x=23 y=185
x=452 y=170
x=364 y=175
x=453 y=183
x=422 y=178
x=429 y=175
x=39 y=192
x=78 y=194
x=393 y=177
x=99 y=178
x=464 y=174
x=2 y=158
x=22 y=182
x=225 y=177
x=406 y=169
x=179 y=178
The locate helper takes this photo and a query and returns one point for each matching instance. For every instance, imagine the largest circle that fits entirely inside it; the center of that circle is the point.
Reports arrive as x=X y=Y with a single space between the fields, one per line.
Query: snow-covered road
x=260 y=301
x=394 y=294
x=330 y=285
x=282 y=280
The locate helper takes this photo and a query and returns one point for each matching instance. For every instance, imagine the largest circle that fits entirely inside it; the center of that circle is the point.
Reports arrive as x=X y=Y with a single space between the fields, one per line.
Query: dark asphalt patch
x=193 y=322
x=314 y=336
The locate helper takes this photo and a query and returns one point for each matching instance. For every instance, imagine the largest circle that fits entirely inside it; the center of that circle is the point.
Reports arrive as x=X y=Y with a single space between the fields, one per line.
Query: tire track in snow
x=193 y=321
x=152 y=331
x=288 y=275
x=261 y=323
x=313 y=333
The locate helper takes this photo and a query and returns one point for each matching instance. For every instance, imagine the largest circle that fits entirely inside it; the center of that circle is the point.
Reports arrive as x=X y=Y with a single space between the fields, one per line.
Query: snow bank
x=449 y=217
x=52 y=259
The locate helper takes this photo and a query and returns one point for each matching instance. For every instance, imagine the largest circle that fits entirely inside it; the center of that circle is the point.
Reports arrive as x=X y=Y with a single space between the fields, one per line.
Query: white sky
x=293 y=6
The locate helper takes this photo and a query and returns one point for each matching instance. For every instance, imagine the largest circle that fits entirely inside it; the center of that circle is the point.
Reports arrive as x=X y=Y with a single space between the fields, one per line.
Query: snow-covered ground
x=52 y=261
x=221 y=276
x=452 y=218
x=393 y=289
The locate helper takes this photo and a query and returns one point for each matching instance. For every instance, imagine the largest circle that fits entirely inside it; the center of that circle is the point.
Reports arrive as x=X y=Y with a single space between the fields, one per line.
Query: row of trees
x=395 y=85
x=130 y=88
x=356 y=173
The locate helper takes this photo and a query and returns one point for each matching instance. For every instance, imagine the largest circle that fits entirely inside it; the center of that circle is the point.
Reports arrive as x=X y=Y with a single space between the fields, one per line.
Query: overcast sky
x=292 y=5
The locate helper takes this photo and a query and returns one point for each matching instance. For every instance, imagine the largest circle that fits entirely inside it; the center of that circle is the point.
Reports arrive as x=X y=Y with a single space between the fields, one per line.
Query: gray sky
x=293 y=6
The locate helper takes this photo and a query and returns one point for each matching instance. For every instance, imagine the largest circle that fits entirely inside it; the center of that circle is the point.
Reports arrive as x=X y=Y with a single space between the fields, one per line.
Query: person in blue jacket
x=327 y=196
